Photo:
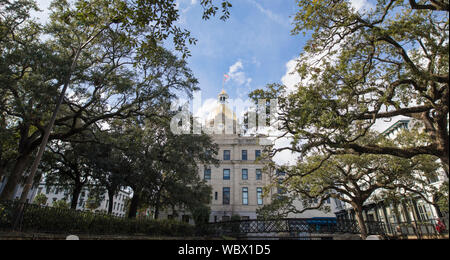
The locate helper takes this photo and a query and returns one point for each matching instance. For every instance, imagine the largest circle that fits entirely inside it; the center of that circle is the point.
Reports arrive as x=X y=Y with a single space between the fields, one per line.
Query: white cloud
x=286 y=157
x=237 y=74
x=207 y=108
x=256 y=62
x=361 y=5
x=42 y=15
x=291 y=78
x=235 y=67
x=204 y=112
x=271 y=15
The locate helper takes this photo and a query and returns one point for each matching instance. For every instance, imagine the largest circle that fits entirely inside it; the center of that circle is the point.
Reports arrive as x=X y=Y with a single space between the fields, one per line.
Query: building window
x=257 y=154
x=258 y=174
x=226 y=196
x=424 y=211
x=259 y=193
x=244 y=196
x=207 y=153
x=432 y=178
x=245 y=174
x=226 y=174
x=280 y=189
x=207 y=174
x=216 y=195
x=280 y=173
x=226 y=155
x=244 y=155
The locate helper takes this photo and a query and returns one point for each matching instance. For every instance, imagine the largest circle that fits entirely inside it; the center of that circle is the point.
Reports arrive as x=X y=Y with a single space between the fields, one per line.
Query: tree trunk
x=157 y=205
x=156 y=215
x=111 y=202
x=75 y=196
x=134 y=206
x=359 y=217
x=14 y=178
x=2 y=170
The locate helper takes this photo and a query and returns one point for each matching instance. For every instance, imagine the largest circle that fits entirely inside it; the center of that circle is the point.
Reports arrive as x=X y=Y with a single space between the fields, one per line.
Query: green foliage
x=442 y=198
x=165 y=168
x=92 y=203
x=280 y=207
x=68 y=221
x=235 y=218
x=108 y=53
x=60 y=204
x=40 y=199
x=201 y=214
x=353 y=179
x=3 y=215
x=366 y=65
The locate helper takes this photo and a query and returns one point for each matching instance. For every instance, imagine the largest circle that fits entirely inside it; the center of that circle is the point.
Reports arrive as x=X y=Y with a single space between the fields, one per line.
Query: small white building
x=54 y=194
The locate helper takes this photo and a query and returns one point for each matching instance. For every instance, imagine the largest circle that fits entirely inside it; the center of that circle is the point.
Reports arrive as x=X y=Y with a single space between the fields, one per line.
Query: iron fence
x=294 y=227
x=35 y=218
x=433 y=228
x=40 y=219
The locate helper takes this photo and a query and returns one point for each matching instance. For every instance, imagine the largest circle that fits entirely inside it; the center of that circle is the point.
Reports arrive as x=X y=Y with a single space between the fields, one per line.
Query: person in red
x=440 y=227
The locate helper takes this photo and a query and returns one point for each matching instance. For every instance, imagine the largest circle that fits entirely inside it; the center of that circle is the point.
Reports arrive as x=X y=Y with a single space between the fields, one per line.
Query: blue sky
x=252 y=46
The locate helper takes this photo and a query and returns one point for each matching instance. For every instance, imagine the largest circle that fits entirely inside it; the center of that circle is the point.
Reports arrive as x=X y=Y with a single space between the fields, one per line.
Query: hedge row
x=55 y=220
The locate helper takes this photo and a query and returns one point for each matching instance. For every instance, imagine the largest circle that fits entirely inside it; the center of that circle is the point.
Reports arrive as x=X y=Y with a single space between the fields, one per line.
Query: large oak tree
x=108 y=56
x=368 y=65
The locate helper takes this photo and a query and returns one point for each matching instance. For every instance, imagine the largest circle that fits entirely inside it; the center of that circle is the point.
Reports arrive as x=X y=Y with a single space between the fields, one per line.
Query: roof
x=395 y=126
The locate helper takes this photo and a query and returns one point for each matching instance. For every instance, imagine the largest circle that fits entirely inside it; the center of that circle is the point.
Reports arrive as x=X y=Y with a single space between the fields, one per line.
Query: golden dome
x=223 y=92
x=222 y=114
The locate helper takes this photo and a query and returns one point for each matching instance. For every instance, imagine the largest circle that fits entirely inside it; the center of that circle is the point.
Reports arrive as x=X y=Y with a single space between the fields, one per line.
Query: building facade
x=239 y=180
x=54 y=194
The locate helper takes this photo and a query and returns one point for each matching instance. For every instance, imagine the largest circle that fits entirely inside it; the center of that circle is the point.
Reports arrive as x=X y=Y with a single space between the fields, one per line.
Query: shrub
x=61 y=204
x=64 y=220
x=40 y=199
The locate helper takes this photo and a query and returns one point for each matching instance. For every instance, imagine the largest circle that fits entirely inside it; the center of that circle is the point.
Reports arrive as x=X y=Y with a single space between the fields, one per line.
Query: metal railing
x=418 y=229
x=241 y=228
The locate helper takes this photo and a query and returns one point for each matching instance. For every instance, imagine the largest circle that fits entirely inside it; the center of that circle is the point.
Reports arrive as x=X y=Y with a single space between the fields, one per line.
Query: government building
x=239 y=180
x=237 y=184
